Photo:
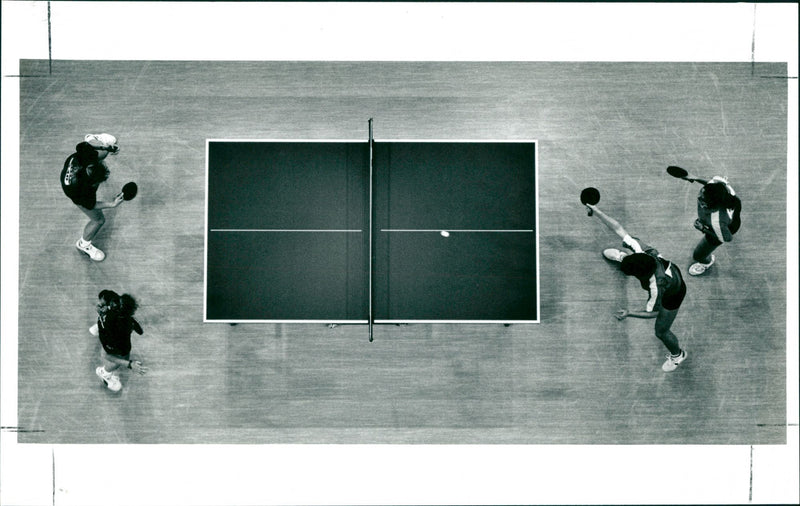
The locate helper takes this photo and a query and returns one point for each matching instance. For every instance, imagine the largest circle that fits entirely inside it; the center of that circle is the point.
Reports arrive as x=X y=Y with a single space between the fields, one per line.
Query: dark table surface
x=288 y=231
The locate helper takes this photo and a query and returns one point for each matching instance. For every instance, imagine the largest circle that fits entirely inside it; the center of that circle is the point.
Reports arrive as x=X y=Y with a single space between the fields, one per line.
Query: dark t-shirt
x=665 y=283
x=78 y=185
x=115 y=333
x=722 y=223
x=668 y=278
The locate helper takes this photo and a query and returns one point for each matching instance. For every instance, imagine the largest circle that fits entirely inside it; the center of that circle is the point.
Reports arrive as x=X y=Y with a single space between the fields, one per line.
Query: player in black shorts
x=718 y=217
x=82 y=174
x=660 y=277
x=115 y=322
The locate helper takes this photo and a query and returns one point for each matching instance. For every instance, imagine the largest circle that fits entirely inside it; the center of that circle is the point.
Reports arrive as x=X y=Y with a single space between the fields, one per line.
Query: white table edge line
x=529 y=231
x=281 y=230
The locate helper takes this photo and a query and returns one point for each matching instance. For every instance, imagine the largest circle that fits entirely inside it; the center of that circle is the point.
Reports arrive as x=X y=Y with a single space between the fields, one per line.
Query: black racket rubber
x=129 y=190
x=675 y=171
x=590 y=196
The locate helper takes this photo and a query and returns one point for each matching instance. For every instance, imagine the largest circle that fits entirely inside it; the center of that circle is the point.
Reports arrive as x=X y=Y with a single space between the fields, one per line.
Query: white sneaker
x=93 y=330
x=103 y=374
x=699 y=268
x=110 y=380
x=114 y=384
x=672 y=362
x=94 y=253
x=614 y=254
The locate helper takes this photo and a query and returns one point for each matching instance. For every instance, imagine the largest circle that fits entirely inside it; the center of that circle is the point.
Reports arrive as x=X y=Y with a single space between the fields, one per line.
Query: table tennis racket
x=129 y=191
x=680 y=173
x=590 y=196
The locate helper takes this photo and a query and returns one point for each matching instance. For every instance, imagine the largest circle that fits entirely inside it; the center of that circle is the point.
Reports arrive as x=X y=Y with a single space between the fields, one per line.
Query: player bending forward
x=661 y=278
x=114 y=325
x=82 y=174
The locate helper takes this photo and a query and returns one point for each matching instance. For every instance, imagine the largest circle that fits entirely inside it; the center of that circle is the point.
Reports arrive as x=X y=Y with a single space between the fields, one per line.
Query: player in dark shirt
x=115 y=322
x=718 y=217
x=661 y=278
x=82 y=174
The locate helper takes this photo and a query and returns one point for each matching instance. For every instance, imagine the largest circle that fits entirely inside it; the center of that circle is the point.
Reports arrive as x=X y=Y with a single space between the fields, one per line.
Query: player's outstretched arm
x=643 y=313
x=610 y=222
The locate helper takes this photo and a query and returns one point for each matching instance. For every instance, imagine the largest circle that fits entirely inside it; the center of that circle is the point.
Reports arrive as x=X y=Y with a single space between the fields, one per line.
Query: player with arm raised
x=659 y=277
x=718 y=216
x=82 y=174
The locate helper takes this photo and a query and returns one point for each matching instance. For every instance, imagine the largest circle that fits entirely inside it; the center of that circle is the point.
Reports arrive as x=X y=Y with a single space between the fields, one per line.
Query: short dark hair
x=86 y=154
x=110 y=297
x=127 y=304
x=715 y=195
x=640 y=265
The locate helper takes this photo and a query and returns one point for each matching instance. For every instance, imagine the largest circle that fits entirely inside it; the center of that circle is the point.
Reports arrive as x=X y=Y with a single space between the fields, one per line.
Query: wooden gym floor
x=578 y=377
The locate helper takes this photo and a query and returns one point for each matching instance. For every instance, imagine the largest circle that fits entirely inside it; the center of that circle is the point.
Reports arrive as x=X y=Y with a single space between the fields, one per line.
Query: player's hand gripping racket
x=590 y=196
x=129 y=190
x=681 y=173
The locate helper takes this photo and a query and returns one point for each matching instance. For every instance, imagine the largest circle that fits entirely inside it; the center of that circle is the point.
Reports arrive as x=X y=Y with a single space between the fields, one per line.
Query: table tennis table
x=371 y=232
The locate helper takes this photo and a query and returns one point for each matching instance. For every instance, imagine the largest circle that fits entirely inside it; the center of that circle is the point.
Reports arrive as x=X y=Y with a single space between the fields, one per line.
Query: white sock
x=84 y=243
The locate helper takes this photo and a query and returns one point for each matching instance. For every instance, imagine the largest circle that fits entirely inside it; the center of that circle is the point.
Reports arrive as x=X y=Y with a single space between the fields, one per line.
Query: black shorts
x=117 y=353
x=672 y=301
